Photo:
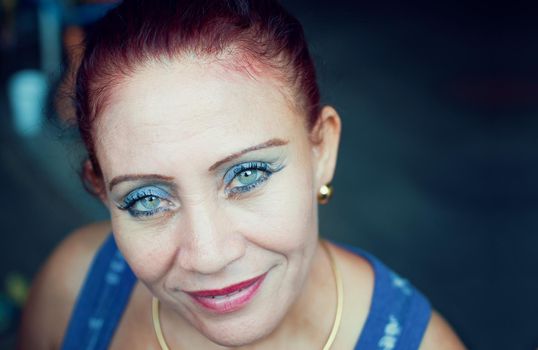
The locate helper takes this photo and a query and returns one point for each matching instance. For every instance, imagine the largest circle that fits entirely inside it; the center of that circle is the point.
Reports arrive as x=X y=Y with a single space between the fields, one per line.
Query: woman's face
x=211 y=182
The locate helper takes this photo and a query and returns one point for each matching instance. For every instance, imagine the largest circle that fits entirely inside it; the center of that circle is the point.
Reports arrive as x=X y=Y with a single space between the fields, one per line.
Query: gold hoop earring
x=325 y=193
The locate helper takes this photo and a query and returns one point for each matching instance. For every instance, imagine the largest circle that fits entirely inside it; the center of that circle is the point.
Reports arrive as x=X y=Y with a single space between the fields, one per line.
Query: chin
x=237 y=340
x=243 y=332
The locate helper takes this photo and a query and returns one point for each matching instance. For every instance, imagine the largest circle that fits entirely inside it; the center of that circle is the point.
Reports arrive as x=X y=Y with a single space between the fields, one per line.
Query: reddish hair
x=255 y=32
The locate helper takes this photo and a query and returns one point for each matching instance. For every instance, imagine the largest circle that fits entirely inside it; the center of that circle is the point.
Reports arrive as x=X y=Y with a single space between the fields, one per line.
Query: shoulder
x=440 y=336
x=358 y=277
x=56 y=286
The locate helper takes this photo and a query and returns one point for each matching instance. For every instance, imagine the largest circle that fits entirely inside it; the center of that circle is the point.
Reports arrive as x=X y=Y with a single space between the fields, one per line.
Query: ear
x=93 y=182
x=325 y=139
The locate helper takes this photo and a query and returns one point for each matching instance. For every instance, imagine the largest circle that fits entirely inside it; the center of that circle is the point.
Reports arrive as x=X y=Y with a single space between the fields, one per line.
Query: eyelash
x=136 y=196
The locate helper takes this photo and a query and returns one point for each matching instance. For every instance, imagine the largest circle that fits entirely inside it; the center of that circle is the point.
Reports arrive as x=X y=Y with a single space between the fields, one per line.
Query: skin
x=162 y=121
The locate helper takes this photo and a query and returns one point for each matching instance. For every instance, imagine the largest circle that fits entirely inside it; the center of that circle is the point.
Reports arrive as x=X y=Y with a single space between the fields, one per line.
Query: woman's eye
x=146 y=202
x=245 y=177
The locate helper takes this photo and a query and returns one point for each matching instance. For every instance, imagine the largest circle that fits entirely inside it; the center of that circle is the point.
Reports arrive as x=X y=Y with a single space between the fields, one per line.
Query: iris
x=248 y=177
x=150 y=202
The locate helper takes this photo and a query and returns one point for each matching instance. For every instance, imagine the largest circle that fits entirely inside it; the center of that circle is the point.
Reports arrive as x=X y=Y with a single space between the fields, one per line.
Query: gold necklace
x=337 y=316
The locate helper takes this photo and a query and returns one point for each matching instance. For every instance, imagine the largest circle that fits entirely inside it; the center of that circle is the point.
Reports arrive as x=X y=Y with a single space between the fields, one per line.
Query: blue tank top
x=397 y=319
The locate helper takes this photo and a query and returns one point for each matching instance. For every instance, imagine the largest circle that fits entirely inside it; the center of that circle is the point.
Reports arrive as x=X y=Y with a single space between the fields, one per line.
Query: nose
x=208 y=241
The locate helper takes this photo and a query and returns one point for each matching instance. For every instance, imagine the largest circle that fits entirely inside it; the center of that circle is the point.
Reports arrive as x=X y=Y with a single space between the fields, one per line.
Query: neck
x=311 y=317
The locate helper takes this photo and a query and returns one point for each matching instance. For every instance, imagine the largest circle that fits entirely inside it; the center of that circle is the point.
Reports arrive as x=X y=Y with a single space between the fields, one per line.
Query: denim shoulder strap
x=101 y=301
x=399 y=313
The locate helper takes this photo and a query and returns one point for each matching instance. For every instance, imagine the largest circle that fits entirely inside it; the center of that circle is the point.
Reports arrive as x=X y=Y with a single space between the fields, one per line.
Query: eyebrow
x=135 y=177
x=122 y=178
x=271 y=143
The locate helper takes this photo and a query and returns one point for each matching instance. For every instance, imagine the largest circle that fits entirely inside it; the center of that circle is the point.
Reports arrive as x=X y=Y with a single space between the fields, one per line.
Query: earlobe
x=326 y=138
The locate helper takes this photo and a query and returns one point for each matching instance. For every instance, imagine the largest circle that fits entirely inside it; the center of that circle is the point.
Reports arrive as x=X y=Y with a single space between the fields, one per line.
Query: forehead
x=190 y=107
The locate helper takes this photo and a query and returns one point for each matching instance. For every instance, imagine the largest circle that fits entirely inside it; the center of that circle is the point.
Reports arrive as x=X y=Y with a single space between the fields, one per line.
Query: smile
x=230 y=298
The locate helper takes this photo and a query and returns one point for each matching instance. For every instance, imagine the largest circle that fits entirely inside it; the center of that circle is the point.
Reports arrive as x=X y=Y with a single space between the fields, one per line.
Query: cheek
x=284 y=217
x=148 y=252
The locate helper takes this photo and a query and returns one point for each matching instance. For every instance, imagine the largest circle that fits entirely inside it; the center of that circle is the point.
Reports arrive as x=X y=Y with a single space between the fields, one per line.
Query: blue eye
x=146 y=201
x=245 y=177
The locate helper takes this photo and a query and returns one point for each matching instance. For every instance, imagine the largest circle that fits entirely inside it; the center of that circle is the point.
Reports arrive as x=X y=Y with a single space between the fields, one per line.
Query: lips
x=230 y=298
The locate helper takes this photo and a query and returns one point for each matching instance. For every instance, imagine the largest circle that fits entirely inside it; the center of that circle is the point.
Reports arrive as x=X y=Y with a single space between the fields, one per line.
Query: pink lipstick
x=229 y=298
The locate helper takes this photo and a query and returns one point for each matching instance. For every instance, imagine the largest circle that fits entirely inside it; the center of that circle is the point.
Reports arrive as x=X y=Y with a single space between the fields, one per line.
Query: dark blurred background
x=438 y=163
